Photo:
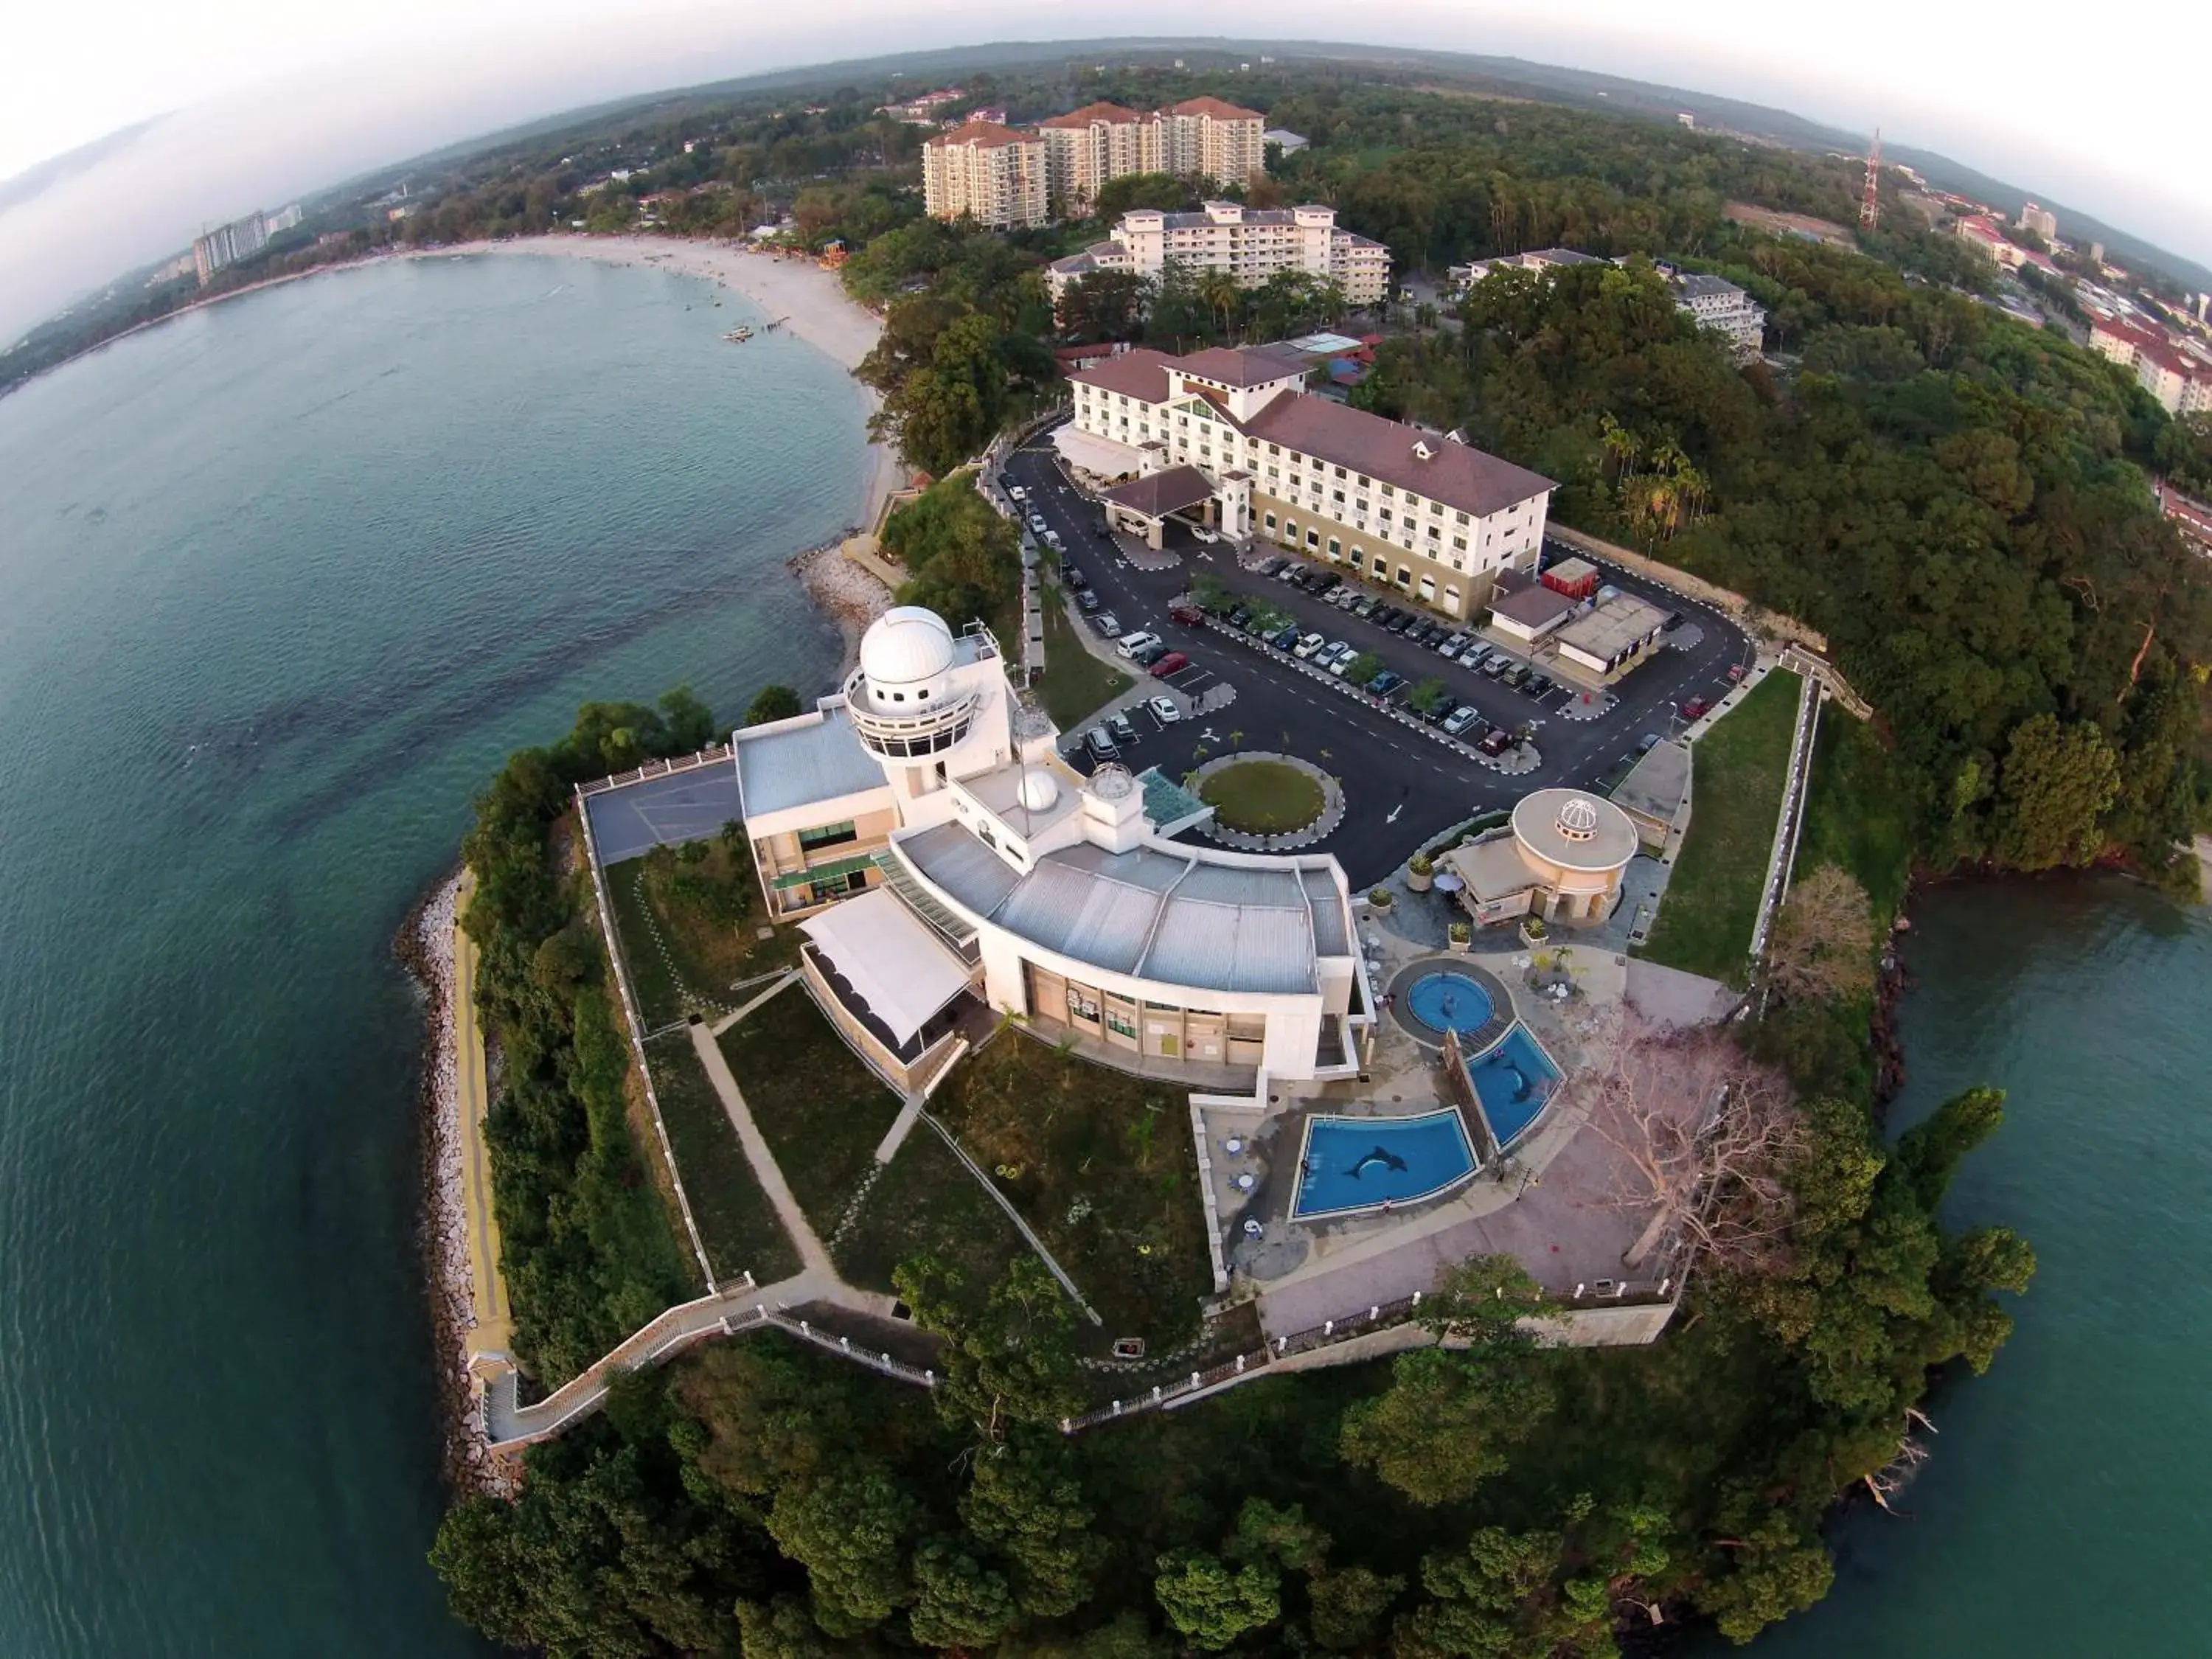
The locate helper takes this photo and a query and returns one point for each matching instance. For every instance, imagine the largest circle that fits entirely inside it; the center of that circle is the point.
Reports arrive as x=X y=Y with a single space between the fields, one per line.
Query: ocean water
x=281 y=583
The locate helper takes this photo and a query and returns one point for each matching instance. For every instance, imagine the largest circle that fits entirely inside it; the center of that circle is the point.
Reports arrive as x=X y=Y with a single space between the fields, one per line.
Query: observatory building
x=941 y=854
x=1561 y=859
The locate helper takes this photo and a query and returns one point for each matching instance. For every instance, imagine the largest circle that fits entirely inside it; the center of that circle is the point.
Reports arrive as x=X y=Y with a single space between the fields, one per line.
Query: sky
x=268 y=100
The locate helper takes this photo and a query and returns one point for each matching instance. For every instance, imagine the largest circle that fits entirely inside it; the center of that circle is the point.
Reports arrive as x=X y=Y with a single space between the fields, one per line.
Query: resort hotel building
x=1004 y=177
x=1230 y=437
x=1251 y=244
x=944 y=861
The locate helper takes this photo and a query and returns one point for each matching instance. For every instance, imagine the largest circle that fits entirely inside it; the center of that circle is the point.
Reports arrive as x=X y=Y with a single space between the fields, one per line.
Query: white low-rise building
x=1434 y=516
x=1251 y=244
x=1723 y=307
x=1013 y=881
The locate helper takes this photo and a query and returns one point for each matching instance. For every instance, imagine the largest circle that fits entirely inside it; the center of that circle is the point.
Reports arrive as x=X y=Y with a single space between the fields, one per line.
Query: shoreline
x=424 y=945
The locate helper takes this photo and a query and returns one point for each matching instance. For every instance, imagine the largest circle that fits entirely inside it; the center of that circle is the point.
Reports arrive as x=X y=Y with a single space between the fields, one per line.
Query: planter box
x=1462 y=946
x=1418 y=882
x=1532 y=938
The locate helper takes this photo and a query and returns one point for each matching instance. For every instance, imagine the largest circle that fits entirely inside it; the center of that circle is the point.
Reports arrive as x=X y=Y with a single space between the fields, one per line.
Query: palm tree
x=1220 y=291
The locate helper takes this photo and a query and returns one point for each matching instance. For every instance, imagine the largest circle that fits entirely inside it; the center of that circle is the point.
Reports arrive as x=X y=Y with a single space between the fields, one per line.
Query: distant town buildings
x=1253 y=244
x=988 y=171
x=1542 y=258
x=2176 y=371
x=284 y=219
x=1723 y=307
x=2041 y=220
x=226 y=245
x=922 y=111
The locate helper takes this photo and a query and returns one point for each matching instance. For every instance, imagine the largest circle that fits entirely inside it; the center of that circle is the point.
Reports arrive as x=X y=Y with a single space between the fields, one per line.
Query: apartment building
x=985 y=171
x=2177 y=375
x=1252 y=244
x=2040 y=220
x=1723 y=307
x=226 y=245
x=1430 y=516
x=1541 y=259
x=1200 y=138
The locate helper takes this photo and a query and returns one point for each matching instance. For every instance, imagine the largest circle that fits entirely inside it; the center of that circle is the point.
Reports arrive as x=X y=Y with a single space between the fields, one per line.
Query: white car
x=1341 y=658
x=1206 y=536
x=1164 y=711
x=1018 y=494
x=1036 y=523
x=1052 y=540
x=1306 y=646
x=1129 y=644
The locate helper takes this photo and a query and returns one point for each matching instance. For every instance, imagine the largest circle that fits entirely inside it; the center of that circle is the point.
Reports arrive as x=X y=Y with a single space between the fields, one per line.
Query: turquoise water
x=1355 y=1163
x=1448 y=1002
x=1513 y=1079
x=280 y=584
x=2063 y=1513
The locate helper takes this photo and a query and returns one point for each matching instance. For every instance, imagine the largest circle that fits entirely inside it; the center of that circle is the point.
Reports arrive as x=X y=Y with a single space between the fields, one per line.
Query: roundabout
x=1265 y=802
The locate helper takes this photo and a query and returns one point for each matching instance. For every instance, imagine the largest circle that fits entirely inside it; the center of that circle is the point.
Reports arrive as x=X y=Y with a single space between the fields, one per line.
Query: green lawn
x=689 y=930
x=734 y=1216
x=1712 y=899
x=1856 y=815
x=1100 y=1163
x=1262 y=798
x=1075 y=685
x=823 y=1112
x=926 y=1202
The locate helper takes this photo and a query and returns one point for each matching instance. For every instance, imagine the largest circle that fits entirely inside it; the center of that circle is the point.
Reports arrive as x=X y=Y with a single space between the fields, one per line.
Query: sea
x=283 y=581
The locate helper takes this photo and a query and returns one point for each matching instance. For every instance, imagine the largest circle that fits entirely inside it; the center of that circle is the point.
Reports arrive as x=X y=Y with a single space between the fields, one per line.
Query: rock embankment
x=845 y=593
x=425 y=944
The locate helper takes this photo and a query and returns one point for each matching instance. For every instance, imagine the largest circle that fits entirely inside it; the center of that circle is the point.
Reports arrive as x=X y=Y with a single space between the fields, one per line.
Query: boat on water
x=738 y=334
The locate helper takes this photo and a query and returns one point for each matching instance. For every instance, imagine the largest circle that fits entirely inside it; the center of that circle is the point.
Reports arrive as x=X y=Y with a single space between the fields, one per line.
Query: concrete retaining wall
x=1772 y=623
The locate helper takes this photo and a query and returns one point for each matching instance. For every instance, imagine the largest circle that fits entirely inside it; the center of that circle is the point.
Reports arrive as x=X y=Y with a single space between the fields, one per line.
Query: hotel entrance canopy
x=891 y=958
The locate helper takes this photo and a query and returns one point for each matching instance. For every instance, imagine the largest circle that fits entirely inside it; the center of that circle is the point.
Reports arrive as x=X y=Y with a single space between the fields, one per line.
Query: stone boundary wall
x=1770 y=623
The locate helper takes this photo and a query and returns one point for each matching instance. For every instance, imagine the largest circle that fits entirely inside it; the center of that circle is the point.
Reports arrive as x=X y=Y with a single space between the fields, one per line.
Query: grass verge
x=1075 y=685
x=822 y=1111
x=926 y=1202
x=689 y=930
x=1262 y=798
x=1705 y=919
x=1100 y=1163
x=735 y=1218
x=1856 y=814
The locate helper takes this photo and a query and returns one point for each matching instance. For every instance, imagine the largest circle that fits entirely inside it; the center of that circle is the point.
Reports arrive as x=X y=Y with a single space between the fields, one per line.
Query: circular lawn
x=1261 y=796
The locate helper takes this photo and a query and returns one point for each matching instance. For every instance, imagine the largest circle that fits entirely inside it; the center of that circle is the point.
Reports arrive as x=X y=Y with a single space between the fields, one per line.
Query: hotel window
x=1271 y=524
x=1387 y=490
x=827 y=834
x=1460 y=543
x=1459 y=518
x=1364 y=480
x=1404 y=575
x=1340 y=473
x=1382 y=565
x=1335 y=547
x=1313 y=538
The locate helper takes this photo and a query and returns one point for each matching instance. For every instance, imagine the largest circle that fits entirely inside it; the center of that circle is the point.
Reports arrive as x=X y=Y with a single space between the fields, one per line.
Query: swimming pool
x=1447 y=1001
x=1513 y=1078
x=1348 y=1164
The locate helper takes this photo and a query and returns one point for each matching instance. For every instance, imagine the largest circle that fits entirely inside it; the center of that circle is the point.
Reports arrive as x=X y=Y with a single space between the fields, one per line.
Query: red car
x=1173 y=662
x=1695 y=706
x=1735 y=672
x=1189 y=615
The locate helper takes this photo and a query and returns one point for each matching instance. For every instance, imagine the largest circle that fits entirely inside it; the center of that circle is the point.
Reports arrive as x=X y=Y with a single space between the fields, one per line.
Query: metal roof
x=796 y=762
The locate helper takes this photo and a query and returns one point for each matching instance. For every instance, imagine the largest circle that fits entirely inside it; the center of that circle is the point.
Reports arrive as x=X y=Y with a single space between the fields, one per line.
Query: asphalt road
x=1401 y=788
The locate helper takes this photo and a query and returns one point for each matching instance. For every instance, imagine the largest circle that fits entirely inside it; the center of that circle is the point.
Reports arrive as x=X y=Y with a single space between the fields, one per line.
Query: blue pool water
x=1358 y=1163
x=1513 y=1078
x=1449 y=1002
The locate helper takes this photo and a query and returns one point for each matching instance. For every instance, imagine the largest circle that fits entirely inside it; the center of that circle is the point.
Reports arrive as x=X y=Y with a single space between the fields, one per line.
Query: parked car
x=1189 y=615
x=1450 y=646
x=1015 y=492
x=1073 y=576
x=1146 y=655
x=1087 y=599
x=1124 y=733
x=1164 y=710
x=1129 y=644
x=1108 y=623
x=1052 y=540
x=1498 y=662
x=1497 y=742
x=1400 y=623
x=1327 y=581
x=1694 y=707
x=1099 y=743
x=1474 y=654
x=1285 y=641
x=1173 y=662
x=1444 y=709
x=1290 y=572
x=1198 y=534
x=1540 y=685
x=1675 y=620
x=1239 y=614
x=1517 y=676
x=1306 y=646
x=1345 y=599
x=1036 y=523
x=1461 y=719
x=1423 y=631
x=1735 y=672
x=1269 y=566
x=1648 y=742
x=1365 y=606
x=1341 y=659
x=1386 y=683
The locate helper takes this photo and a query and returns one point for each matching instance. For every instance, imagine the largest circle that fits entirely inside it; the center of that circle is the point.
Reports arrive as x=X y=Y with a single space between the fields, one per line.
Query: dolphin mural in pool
x=1388 y=1160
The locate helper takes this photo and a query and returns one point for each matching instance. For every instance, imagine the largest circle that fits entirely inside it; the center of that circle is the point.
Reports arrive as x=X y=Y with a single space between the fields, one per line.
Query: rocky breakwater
x=425 y=944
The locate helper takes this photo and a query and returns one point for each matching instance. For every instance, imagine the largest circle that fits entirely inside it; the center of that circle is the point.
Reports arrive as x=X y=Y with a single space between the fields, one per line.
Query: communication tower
x=1870 y=203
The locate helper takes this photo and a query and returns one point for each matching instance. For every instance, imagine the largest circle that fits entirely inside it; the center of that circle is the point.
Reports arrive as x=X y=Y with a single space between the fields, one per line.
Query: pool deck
x=1543 y=1203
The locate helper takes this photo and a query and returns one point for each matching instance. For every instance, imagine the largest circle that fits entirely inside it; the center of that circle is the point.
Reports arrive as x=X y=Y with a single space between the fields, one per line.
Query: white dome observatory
x=906 y=658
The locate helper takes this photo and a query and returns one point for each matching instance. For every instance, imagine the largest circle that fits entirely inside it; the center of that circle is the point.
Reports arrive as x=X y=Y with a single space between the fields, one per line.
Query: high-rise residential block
x=987 y=171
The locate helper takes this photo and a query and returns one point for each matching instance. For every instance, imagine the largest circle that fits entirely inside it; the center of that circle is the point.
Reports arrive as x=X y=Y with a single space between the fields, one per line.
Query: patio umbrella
x=1448 y=882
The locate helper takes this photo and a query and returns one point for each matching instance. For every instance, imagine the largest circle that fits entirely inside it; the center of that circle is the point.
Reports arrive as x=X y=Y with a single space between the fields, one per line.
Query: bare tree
x=1700 y=1135
x=1822 y=945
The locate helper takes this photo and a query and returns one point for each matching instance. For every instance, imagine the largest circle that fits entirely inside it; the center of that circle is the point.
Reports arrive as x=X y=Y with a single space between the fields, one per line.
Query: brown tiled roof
x=989 y=135
x=1244 y=365
x=1215 y=107
x=1090 y=113
x=1455 y=474
x=1140 y=374
x=1533 y=607
x=1156 y=493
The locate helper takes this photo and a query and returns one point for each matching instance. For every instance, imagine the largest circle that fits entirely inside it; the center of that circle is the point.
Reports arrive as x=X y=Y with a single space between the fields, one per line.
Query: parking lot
x=1402 y=785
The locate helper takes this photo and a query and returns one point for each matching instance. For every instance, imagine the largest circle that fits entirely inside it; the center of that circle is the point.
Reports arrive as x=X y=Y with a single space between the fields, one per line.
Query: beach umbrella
x=1448 y=882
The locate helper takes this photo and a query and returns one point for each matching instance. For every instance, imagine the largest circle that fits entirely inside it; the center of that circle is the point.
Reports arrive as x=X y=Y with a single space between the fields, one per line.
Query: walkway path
x=811 y=1250
x=489 y=1323
x=1790 y=823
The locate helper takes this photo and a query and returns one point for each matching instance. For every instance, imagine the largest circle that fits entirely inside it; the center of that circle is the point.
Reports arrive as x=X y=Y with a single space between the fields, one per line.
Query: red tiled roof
x=1091 y=112
x=1244 y=365
x=1216 y=108
x=1157 y=493
x=1533 y=607
x=1141 y=374
x=1455 y=474
x=989 y=135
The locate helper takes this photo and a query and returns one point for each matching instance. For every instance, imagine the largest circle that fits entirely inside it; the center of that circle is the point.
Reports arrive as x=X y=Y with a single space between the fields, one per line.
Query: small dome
x=906 y=646
x=1578 y=818
x=1040 y=790
x=1113 y=781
